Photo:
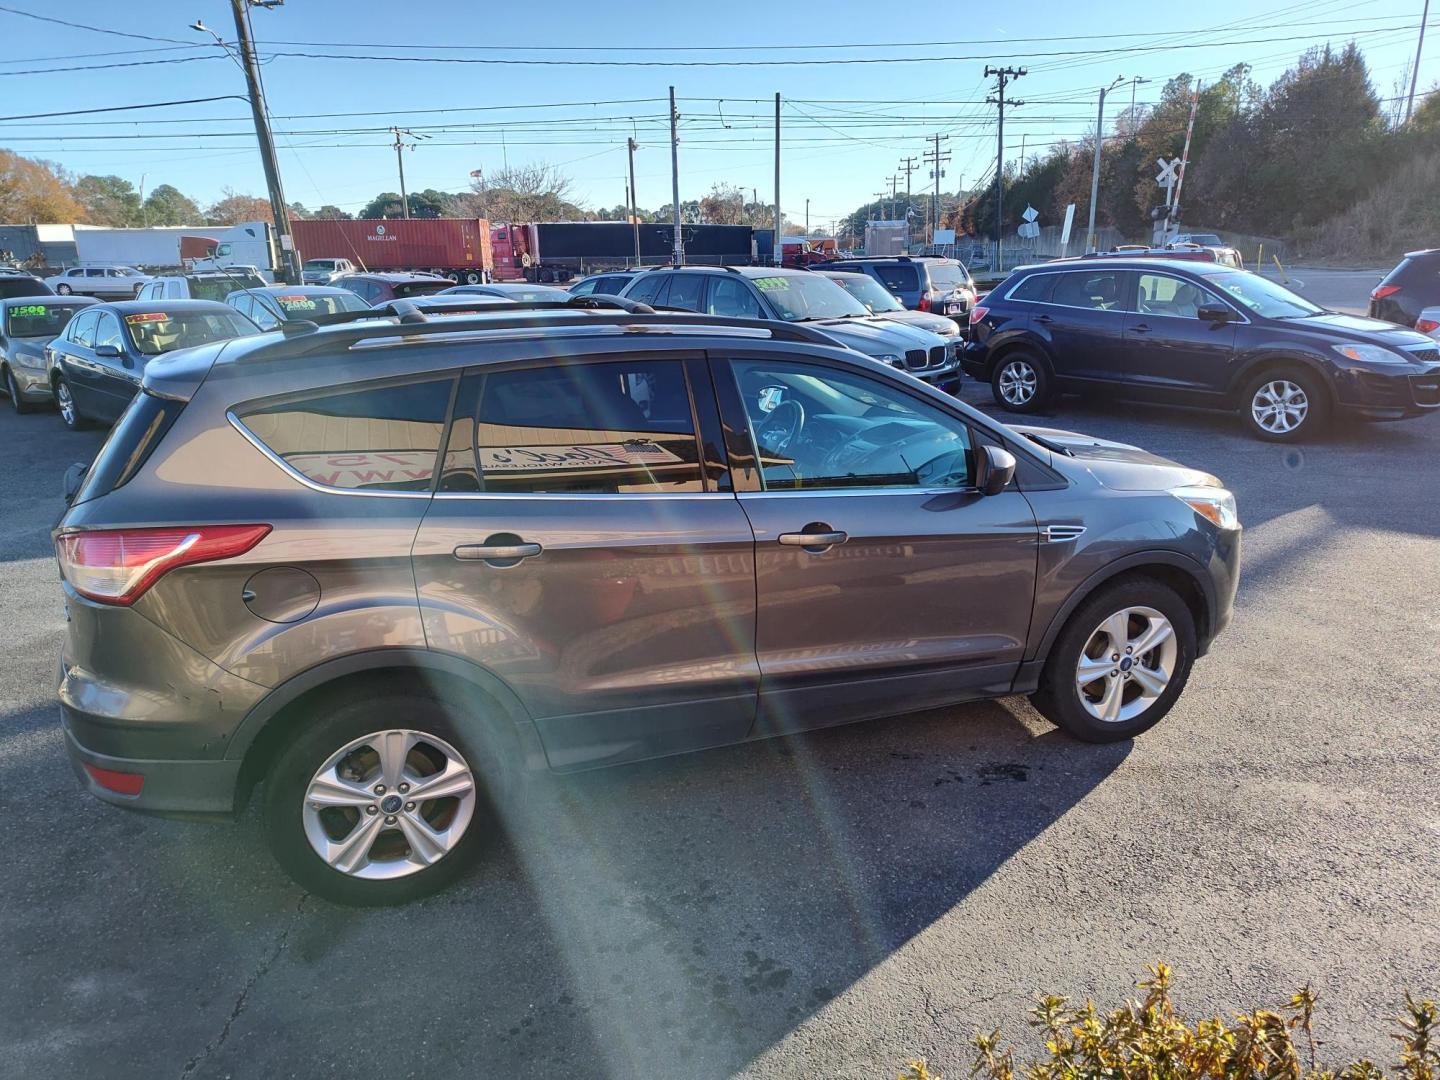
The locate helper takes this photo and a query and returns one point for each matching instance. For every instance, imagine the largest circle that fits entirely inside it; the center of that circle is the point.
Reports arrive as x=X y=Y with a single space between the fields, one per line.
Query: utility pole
x=1002 y=75
x=1415 y=71
x=677 y=251
x=1185 y=156
x=631 y=145
x=908 y=164
x=1090 y=244
x=894 y=182
x=400 y=147
x=936 y=160
x=289 y=268
x=807 y=219
x=779 y=218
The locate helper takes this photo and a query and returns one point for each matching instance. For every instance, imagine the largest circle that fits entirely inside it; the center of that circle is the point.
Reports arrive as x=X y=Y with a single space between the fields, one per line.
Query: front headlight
x=1375 y=354
x=1215 y=505
x=889 y=358
x=948 y=331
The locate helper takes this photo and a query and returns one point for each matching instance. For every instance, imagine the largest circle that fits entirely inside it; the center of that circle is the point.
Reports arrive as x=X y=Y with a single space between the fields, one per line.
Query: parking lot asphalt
x=823 y=906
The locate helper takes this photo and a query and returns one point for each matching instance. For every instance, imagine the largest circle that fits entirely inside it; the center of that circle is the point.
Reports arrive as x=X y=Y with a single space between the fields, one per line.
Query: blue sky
x=846 y=126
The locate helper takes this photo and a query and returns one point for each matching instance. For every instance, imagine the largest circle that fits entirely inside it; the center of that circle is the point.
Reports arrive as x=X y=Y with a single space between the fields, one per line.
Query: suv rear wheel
x=380 y=800
x=1020 y=382
x=1120 y=663
x=1285 y=405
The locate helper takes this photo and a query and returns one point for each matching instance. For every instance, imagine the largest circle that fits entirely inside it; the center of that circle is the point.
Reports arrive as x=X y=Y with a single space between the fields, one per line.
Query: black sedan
x=96 y=364
x=1196 y=334
x=274 y=304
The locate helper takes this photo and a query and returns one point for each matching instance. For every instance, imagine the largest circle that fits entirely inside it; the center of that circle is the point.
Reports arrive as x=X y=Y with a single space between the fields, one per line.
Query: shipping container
x=158 y=249
x=456 y=247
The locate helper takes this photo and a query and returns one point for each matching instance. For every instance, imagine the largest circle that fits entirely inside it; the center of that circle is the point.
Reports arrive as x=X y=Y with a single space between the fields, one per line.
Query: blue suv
x=1186 y=333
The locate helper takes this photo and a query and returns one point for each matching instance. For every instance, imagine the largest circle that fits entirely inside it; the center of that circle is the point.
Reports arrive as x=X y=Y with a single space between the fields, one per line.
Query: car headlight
x=1375 y=354
x=889 y=358
x=948 y=331
x=1215 y=505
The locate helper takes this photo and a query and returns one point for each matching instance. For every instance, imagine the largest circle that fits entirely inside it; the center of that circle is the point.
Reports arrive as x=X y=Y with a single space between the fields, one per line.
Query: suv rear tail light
x=116 y=566
x=924 y=304
x=1427 y=326
x=978 y=313
x=1382 y=291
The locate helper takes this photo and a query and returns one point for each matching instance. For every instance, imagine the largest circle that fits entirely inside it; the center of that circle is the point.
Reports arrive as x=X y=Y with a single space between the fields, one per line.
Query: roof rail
x=305 y=337
x=408 y=312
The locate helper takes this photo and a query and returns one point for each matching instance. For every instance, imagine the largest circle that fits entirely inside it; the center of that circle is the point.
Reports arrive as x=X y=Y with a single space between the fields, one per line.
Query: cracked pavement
x=819 y=906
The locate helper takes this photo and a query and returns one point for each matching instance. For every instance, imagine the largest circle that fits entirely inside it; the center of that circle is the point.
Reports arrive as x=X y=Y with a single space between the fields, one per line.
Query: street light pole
x=1090 y=244
x=677 y=250
x=631 y=145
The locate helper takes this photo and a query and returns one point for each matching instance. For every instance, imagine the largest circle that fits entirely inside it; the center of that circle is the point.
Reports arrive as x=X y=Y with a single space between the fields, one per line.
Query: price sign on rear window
x=771 y=284
x=152 y=316
x=30 y=309
x=296 y=303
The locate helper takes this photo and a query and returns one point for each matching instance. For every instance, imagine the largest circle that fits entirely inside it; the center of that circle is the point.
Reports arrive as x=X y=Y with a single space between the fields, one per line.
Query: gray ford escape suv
x=388 y=567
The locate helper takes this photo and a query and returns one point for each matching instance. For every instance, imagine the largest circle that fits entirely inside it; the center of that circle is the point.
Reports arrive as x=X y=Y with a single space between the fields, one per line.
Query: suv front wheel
x=1020 y=382
x=1120 y=663
x=380 y=800
x=1285 y=405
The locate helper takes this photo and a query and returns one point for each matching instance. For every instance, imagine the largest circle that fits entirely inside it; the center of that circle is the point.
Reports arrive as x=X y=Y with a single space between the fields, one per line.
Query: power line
x=126 y=108
x=86 y=26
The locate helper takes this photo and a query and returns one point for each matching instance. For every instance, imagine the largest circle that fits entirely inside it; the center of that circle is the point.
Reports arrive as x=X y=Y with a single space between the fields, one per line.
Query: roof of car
x=443 y=300
x=293 y=290
x=125 y=307
x=46 y=298
x=1123 y=262
x=897 y=258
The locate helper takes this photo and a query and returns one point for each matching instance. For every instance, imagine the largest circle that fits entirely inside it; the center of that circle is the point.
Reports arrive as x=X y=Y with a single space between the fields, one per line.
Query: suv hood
x=875 y=336
x=1360 y=329
x=923 y=320
x=1119 y=465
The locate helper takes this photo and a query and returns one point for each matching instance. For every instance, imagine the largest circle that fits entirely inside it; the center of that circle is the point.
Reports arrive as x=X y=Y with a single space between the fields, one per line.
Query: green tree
x=331 y=213
x=167 y=205
x=108 y=200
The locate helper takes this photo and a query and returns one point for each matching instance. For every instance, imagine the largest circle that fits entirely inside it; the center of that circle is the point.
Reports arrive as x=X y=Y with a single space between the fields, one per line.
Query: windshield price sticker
x=152 y=316
x=290 y=303
x=30 y=309
x=771 y=284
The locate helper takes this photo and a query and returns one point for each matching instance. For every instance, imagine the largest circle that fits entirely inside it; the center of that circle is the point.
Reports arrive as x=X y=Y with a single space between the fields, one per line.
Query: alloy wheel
x=1127 y=664
x=65 y=403
x=1018 y=382
x=389 y=804
x=1280 y=406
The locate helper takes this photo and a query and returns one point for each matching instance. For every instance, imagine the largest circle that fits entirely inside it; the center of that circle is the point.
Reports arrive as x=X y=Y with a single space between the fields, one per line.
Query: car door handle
x=1044 y=320
x=815 y=539
x=1140 y=328
x=508 y=553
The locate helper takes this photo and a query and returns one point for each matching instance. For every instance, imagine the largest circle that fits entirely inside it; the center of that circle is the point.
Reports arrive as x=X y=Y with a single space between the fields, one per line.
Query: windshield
x=156 y=332
x=1262 y=296
x=525 y=294
x=300 y=305
x=422 y=288
x=947 y=276
x=799 y=297
x=319 y=264
x=39 y=320
x=869 y=292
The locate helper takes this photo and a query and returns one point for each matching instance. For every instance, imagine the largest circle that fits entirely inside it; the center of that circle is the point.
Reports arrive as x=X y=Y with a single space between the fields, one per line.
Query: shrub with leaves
x=1147 y=1039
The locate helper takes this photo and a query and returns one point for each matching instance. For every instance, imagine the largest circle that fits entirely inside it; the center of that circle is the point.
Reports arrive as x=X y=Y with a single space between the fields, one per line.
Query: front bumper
x=1375 y=394
x=33 y=383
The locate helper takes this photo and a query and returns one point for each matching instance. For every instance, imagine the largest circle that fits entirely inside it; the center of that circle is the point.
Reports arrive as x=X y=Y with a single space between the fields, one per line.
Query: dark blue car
x=1195 y=334
x=96 y=363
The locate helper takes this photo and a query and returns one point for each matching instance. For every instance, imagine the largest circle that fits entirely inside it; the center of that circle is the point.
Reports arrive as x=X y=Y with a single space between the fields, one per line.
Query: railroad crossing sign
x=1167 y=175
x=1029 y=230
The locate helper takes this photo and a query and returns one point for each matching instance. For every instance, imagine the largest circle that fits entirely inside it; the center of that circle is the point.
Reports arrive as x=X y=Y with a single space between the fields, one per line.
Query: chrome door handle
x=813 y=541
x=1140 y=328
x=511 y=553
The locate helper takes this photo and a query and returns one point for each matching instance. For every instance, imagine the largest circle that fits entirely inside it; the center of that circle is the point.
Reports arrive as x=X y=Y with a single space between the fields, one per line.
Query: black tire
x=1271 y=388
x=1015 y=373
x=71 y=417
x=19 y=404
x=338 y=721
x=472 y=277
x=63 y=289
x=1058 y=698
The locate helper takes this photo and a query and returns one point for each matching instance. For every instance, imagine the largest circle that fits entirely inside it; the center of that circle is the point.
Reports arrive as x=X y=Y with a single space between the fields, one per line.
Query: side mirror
x=1214 y=313
x=995 y=470
x=74 y=477
x=107 y=350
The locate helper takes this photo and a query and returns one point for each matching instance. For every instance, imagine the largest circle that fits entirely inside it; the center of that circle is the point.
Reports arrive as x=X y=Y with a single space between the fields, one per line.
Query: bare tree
x=527 y=193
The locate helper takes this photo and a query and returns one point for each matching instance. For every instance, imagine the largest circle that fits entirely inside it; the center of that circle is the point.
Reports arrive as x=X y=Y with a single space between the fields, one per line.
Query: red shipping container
x=398 y=244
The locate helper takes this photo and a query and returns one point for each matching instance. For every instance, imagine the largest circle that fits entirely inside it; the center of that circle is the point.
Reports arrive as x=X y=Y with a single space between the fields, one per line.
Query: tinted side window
x=646 y=287
x=731 y=296
x=685 y=291
x=585 y=288
x=1101 y=291
x=1035 y=288
x=815 y=427
x=82 y=330
x=897 y=278
x=108 y=331
x=383 y=438
x=622 y=427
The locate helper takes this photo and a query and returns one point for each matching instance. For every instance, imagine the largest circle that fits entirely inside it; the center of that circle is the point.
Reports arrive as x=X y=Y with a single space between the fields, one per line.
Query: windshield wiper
x=1048 y=444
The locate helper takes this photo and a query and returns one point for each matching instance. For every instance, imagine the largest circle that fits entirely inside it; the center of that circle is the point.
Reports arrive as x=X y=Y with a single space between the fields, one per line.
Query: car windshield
x=218 y=288
x=525 y=294
x=319 y=264
x=422 y=288
x=300 y=305
x=869 y=292
x=39 y=320
x=800 y=297
x=1204 y=239
x=946 y=276
x=156 y=332
x=1263 y=297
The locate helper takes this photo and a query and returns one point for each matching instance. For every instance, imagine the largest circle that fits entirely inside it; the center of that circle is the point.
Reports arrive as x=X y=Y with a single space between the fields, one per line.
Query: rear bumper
x=170 y=787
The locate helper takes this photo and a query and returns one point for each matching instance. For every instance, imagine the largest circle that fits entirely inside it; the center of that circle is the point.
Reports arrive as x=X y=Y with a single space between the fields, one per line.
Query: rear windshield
x=221 y=287
x=301 y=305
x=156 y=332
x=23 y=286
x=421 y=288
x=947 y=275
x=39 y=320
x=132 y=440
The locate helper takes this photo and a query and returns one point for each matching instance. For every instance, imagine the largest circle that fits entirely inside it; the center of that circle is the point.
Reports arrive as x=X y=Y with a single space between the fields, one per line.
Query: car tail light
x=1427 y=326
x=1382 y=291
x=122 y=783
x=978 y=313
x=924 y=304
x=116 y=566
